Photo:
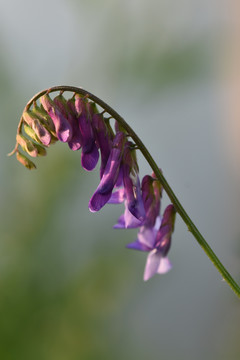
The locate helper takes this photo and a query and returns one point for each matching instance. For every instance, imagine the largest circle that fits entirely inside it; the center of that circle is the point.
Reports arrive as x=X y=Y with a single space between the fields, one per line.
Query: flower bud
x=42 y=133
x=27 y=145
x=164 y=234
x=40 y=150
x=90 y=154
x=30 y=147
x=103 y=139
x=25 y=161
x=62 y=126
x=31 y=133
x=44 y=118
x=76 y=141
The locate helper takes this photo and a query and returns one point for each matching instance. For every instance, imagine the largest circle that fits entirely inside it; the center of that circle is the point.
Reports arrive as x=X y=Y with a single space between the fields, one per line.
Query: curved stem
x=179 y=208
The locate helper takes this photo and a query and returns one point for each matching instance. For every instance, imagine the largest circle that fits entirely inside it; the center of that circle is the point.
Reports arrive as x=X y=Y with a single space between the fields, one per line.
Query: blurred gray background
x=68 y=287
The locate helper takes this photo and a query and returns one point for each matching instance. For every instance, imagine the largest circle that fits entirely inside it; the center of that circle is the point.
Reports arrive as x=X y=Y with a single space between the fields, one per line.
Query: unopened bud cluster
x=77 y=122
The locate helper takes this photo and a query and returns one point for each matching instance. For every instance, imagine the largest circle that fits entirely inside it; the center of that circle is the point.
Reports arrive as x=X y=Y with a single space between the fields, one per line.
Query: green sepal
x=40 y=150
x=31 y=133
x=44 y=118
x=25 y=161
x=27 y=145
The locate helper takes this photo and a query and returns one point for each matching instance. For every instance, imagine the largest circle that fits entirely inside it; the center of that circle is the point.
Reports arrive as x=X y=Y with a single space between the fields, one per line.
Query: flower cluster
x=78 y=122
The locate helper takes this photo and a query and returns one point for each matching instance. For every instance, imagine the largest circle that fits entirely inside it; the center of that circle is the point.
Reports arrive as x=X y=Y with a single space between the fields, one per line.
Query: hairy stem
x=191 y=227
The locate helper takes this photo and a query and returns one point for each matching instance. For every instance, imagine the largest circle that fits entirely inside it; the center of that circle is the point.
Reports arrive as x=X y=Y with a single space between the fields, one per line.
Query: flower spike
x=78 y=122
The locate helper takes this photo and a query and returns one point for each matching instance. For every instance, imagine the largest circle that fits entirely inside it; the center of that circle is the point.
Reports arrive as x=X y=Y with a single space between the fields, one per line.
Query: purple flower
x=131 y=183
x=148 y=202
x=134 y=214
x=103 y=139
x=151 y=193
x=110 y=175
x=61 y=123
x=90 y=154
x=76 y=141
x=156 y=240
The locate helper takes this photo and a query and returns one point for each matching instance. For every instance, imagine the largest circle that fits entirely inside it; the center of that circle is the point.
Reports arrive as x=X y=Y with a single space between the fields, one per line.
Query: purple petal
x=163 y=237
x=147 y=236
x=43 y=134
x=151 y=194
x=62 y=126
x=164 y=266
x=103 y=139
x=109 y=178
x=132 y=183
x=130 y=220
x=136 y=245
x=98 y=200
x=117 y=197
x=76 y=141
x=152 y=264
x=119 y=181
x=121 y=223
x=89 y=159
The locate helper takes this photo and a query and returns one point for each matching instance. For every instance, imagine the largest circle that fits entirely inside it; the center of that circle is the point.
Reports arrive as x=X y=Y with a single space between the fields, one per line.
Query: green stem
x=191 y=227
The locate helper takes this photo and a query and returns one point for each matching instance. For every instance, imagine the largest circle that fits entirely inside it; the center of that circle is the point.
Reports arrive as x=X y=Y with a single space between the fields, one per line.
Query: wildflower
x=77 y=122
x=76 y=141
x=90 y=154
x=156 y=240
x=110 y=174
x=61 y=123
x=103 y=139
x=151 y=193
x=148 y=203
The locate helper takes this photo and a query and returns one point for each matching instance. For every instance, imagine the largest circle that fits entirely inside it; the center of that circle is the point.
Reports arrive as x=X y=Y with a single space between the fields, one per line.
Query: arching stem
x=190 y=225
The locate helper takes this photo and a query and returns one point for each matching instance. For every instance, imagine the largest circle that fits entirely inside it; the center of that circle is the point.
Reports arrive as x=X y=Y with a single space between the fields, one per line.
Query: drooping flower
x=131 y=184
x=103 y=139
x=156 y=240
x=110 y=174
x=76 y=141
x=61 y=123
x=78 y=122
x=151 y=193
x=148 y=199
x=90 y=154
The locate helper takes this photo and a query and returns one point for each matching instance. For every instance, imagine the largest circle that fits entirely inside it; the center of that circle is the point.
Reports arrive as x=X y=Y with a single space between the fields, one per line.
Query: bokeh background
x=68 y=287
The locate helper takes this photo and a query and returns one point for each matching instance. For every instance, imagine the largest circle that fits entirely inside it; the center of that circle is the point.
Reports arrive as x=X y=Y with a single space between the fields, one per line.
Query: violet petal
x=89 y=159
x=152 y=264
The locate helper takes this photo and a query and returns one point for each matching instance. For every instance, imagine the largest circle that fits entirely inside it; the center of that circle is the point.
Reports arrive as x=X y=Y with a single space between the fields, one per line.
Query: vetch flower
x=151 y=194
x=75 y=143
x=110 y=175
x=103 y=139
x=78 y=122
x=148 y=202
x=90 y=154
x=131 y=184
x=61 y=123
x=157 y=241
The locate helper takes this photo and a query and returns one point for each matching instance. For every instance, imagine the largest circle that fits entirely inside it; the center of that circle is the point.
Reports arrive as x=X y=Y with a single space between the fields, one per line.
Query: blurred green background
x=68 y=287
